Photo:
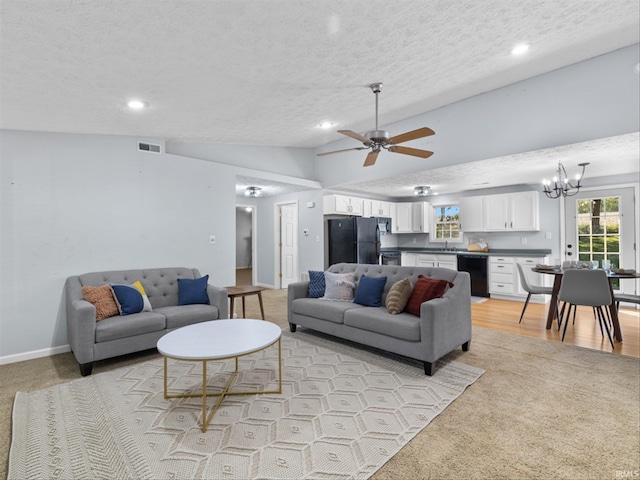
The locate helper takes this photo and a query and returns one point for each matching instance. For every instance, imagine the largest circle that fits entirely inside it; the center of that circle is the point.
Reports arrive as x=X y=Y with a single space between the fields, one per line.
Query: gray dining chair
x=589 y=288
x=531 y=289
x=625 y=297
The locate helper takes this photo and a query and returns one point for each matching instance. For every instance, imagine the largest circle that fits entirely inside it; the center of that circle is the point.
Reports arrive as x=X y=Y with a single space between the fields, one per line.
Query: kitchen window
x=446 y=223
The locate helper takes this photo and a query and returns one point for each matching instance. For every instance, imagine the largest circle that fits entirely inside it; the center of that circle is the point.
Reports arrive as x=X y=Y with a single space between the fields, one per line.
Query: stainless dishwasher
x=476 y=265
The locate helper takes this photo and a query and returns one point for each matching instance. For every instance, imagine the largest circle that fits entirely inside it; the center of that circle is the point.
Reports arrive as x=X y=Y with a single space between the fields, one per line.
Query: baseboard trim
x=45 y=352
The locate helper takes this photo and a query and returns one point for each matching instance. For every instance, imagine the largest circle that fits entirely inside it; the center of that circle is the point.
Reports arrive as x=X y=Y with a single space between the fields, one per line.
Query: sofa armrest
x=445 y=323
x=81 y=323
x=295 y=290
x=218 y=297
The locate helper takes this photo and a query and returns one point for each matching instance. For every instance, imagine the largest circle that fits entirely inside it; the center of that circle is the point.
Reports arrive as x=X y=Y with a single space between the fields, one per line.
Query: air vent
x=148 y=147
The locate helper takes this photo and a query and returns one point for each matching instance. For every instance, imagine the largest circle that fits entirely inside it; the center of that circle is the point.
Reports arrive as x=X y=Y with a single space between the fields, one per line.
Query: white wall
x=72 y=204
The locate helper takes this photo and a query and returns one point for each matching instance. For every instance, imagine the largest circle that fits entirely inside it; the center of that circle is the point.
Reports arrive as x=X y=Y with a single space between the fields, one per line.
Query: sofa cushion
x=325 y=310
x=369 y=291
x=398 y=296
x=316 y=284
x=101 y=298
x=194 y=291
x=424 y=290
x=188 y=314
x=339 y=286
x=128 y=298
x=378 y=320
x=117 y=327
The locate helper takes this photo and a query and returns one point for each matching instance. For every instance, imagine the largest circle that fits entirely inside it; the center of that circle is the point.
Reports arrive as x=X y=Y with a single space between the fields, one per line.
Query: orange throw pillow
x=424 y=290
x=102 y=299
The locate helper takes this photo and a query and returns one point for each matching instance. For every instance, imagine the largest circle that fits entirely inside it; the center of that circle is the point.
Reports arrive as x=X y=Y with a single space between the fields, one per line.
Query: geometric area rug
x=344 y=411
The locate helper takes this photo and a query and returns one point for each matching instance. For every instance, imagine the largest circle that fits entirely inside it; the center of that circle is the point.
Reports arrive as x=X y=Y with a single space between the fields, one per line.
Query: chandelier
x=561 y=186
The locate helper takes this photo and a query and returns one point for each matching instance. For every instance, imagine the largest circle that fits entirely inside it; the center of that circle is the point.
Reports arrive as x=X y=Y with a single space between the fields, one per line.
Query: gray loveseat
x=119 y=335
x=444 y=323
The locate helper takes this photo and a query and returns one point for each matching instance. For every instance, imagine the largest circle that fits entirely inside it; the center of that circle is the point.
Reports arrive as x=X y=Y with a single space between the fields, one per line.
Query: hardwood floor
x=503 y=315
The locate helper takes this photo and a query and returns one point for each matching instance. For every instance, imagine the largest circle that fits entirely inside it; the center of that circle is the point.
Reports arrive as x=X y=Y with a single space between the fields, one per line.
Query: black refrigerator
x=353 y=240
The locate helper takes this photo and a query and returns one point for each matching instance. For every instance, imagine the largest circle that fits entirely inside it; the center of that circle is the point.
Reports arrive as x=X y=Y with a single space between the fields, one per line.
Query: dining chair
x=589 y=288
x=625 y=297
x=531 y=289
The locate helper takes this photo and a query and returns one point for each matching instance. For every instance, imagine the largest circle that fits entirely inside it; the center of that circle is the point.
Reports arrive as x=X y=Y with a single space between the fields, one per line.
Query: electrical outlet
x=414 y=240
x=524 y=240
x=212 y=239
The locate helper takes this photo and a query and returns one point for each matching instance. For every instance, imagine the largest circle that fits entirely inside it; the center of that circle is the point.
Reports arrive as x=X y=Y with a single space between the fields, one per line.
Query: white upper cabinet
x=511 y=212
x=376 y=208
x=342 y=205
x=411 y=217
x=471 y=214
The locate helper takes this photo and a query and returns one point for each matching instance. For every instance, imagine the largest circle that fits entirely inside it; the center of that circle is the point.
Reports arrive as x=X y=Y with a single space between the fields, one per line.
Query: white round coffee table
x=219 y=340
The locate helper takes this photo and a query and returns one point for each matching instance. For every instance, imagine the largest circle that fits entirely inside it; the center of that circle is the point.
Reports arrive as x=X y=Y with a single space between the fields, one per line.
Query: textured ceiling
x=268 y=72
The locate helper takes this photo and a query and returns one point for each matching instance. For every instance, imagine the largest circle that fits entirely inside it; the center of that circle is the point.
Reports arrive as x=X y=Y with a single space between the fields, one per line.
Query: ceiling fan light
x=253 y=192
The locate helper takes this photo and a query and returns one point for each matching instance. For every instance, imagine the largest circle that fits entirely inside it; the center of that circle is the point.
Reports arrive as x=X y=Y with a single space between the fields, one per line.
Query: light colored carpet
x=343 y=413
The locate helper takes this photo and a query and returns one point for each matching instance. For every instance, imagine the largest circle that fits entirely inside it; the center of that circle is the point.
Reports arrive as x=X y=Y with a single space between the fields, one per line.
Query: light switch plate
x=212 y=239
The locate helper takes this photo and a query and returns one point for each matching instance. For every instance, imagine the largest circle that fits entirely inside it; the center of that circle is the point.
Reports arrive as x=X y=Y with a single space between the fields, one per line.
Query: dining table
x=558 y=272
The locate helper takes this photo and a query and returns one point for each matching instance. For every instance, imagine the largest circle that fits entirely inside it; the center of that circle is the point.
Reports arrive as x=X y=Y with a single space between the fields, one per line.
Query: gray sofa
x=119 y=335
x=443 y=325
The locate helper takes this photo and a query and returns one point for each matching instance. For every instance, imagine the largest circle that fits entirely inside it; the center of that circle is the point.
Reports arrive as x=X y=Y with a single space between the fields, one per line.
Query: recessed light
x=520 y=49
x=136 y=104
x=326 y=125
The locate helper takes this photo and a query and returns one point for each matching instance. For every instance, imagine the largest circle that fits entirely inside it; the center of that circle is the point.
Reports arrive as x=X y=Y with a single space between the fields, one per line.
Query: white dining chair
x=531 y=289
x=589 y=288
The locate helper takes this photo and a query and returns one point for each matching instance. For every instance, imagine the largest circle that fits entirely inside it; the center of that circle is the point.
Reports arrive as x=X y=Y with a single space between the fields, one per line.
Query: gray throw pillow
x=339 y=286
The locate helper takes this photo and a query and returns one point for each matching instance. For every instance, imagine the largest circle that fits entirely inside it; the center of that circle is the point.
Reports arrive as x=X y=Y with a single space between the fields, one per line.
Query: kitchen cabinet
x=342 y=205
x=471 y=214
x=511 y=212
x=440 y=261
x=502 y=275
x=408 y=259
x=411 y=217
x=376 y=208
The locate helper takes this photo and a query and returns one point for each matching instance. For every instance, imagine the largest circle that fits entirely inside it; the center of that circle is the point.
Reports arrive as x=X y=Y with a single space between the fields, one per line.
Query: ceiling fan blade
x=410 y=151
x=355 y=135
x=338 y=151
x=405 y=137
x=371 y=158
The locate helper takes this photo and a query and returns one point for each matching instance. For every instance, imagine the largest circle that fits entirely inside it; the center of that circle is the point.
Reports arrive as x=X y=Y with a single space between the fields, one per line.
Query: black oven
x=390 y=258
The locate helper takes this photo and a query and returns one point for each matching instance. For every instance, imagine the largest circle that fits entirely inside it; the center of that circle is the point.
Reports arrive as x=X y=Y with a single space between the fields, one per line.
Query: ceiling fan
x=379 y=139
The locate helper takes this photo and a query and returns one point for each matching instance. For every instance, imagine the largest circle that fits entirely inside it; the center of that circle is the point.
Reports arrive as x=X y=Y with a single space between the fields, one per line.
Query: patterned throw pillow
x=398 y=296
x=145 y=298
x=102 y=299
x=339 y=286
x=316 y=284
x=424 y=290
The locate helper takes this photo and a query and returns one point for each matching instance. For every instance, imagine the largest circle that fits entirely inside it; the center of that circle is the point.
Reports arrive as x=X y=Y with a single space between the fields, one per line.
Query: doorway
x=601 y=225
x=246 y=271
x=286 y=242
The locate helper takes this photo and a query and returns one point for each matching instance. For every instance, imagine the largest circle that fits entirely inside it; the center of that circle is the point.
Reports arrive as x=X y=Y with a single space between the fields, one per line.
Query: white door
x=600 y=224
x=288 y=244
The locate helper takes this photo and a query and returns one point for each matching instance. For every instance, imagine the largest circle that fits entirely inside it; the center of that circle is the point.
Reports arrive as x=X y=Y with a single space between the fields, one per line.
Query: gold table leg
x=206 y=420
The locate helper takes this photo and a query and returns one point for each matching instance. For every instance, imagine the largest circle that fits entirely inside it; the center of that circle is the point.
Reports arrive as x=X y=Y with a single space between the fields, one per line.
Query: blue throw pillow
x=316 y=284
x=369 y=291
x=128 y=298
x=193 y=291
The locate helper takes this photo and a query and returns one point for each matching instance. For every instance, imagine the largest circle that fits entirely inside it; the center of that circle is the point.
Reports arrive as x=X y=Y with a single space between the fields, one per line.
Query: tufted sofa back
x=160 y=284
x=394 y=273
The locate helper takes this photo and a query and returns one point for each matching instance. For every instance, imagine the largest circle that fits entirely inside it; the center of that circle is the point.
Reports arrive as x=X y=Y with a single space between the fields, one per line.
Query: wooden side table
x=244 y=291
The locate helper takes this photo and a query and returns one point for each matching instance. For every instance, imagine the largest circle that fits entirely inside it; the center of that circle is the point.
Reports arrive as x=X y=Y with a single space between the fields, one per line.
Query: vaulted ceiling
x=269 y=72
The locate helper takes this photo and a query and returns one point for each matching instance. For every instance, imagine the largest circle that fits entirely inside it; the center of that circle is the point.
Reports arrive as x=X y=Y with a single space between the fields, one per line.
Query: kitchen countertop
x=507 y=252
